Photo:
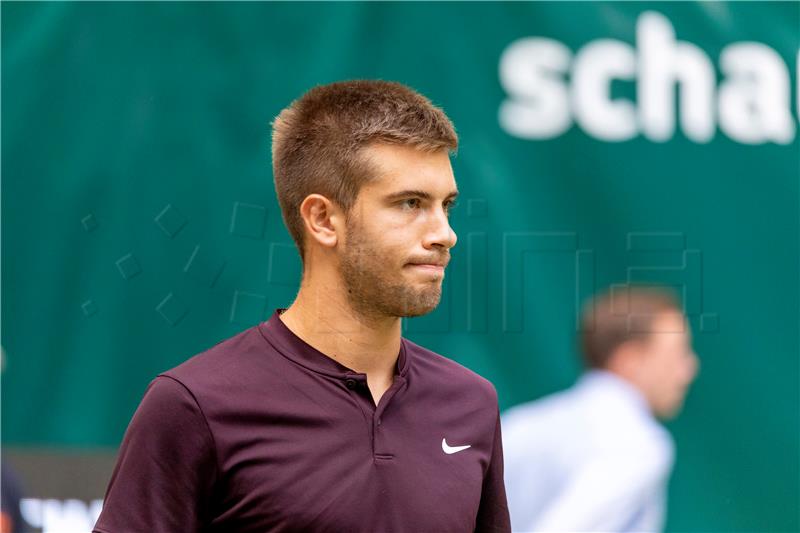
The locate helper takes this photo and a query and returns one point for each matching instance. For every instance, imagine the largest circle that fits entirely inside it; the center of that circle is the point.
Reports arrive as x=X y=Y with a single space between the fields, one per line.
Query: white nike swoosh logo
x=453 y=449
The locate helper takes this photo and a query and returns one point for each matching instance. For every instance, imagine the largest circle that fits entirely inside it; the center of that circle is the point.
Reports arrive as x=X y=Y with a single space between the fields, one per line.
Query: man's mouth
x=428 y=267
x=433 y=266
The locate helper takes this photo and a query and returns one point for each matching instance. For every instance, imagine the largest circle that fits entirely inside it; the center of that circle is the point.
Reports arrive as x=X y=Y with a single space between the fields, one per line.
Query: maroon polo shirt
x=264 y=433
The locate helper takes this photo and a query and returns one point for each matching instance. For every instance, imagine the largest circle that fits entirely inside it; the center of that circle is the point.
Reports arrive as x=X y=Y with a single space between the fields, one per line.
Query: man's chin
x=421 y=306
x=668 y=412
x=412 y=313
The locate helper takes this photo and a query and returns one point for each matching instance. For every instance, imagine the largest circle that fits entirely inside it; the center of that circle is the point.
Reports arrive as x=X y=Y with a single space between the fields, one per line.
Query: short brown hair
x=621 y=314
x=316 y=141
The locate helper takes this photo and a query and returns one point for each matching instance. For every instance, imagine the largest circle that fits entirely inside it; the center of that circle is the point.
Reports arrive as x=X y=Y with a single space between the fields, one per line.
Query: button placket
x=380 y=445
x=356 y=386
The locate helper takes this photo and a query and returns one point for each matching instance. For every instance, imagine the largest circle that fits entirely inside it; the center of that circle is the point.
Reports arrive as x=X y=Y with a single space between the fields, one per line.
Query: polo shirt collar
x=296 y=349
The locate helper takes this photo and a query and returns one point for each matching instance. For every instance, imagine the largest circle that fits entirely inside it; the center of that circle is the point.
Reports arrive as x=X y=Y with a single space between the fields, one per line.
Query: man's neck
x=627 y=383
x=322 y=317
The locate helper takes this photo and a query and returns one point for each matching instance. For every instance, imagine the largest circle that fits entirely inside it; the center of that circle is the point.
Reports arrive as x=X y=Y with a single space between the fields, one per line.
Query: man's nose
x=439 y=232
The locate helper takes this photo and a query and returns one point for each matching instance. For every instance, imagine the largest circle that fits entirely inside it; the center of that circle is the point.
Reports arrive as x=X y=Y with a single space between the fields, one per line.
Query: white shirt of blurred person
x=593 y=457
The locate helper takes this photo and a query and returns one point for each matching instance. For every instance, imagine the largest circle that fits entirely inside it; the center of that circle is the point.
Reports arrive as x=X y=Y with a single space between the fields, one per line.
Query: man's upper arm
x=166 y=466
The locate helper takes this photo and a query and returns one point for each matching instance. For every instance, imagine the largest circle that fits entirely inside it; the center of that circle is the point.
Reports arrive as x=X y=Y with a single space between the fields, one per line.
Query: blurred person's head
x=642 y=335
x=363 y=177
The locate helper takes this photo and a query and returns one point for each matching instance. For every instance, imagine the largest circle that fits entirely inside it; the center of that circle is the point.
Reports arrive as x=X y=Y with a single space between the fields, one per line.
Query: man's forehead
x=399 y=167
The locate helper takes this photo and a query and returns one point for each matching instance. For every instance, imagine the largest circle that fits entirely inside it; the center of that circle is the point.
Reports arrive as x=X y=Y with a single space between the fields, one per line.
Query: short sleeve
x=166 y=468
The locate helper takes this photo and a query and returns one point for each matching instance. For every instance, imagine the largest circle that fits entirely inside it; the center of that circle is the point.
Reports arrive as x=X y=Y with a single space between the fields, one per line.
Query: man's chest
x=343 y=465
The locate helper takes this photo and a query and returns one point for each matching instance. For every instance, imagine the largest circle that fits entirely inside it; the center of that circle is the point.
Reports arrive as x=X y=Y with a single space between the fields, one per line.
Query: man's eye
x=449 y=206
x=411 y=203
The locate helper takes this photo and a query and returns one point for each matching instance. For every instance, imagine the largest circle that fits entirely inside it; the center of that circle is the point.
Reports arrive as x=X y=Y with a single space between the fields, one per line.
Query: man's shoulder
x=231 y=357
x=553 y=412
x=544 y=406
x=442 y=371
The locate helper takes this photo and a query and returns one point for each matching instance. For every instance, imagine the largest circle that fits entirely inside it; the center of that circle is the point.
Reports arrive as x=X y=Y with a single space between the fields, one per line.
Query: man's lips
x=437 y=268
x=430 y=261
x=432 y=266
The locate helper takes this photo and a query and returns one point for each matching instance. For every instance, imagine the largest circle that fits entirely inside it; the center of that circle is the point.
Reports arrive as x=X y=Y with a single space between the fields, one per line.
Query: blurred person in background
x=11 y=520
x=594 y=457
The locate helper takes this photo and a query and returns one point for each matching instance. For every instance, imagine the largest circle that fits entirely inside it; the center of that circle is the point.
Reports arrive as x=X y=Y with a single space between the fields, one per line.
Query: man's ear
x=627 y=358
x=323 y=219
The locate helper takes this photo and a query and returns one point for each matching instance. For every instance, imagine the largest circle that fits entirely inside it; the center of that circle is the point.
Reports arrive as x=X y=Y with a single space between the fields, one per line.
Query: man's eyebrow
x=418 y=194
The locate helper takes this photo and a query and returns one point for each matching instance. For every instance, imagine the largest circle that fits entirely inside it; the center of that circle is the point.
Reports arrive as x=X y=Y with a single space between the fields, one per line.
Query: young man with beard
x=323 y=418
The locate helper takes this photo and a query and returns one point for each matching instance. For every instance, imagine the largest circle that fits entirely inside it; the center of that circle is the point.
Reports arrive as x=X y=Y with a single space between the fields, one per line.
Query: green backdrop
x=140 y=226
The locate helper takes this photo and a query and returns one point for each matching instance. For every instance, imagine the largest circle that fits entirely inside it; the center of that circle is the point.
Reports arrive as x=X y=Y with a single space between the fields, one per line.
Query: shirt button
x=350 y=384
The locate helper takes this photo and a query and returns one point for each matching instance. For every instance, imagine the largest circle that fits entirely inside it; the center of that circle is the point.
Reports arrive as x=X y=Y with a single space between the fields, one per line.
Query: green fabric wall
x=120 y=118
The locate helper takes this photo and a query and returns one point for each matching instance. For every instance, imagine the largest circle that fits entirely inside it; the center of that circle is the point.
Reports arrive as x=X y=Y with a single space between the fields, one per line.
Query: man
x=11 y=489
x=11 y=520
x=323 y=418
x=593 y=458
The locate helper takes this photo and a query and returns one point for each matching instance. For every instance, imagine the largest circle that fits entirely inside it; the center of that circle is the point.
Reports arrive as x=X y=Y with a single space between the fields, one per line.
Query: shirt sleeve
x=166 y=467
x=493 y=512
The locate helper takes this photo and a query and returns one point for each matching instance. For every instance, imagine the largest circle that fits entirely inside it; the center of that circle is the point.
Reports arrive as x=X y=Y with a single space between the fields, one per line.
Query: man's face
x=398 y=236
x=669 y=364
